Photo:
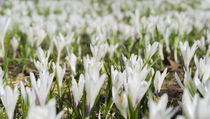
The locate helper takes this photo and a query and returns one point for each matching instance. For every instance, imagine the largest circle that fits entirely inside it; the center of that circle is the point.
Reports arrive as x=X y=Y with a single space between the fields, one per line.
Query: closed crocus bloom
x=151 y=49
x=14 y=43
x=189 y=105
x=72 y=60
x=41 y=34
x=120 y=101
x=60 y=74
x=42 y=86
x=112 y=49
x=166 y=37
x=188 y=82
x=93 y=87
x=158 y=81
x=187 y=52
x=4 y=25
x=60 y=44
x=202 y=43
x=9 y=100
x=31 y=96
x=1 y=73
x=23 y=92
x=93 y=82
x=45 y=112
x=159 y=110
x=136 y=85
x=203 y=107
x=77 y=88
x=70 y=38
x=1 y=82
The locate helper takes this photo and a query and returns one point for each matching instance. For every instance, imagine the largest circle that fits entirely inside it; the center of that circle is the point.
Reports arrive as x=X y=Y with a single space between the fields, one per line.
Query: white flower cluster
x=107 y=48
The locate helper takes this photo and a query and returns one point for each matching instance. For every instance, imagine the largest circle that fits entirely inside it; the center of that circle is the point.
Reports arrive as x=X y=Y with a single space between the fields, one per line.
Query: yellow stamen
x=119 y=92
x=78 y=85
x=42 y=64
x=135 y=65
x=92 y=66
x=121 y=99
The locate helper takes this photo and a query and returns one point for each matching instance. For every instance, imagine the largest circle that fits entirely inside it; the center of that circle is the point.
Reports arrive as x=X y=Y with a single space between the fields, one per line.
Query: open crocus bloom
x=60 y=74
x=77 y=88
x=72 y=60
x=137 y=86
x=120 y=101
x=42 y=86
x=187 y=52
x=151 y=49
x=158 y=81
x=159 y=110
x=9 y=100
x=47 y=111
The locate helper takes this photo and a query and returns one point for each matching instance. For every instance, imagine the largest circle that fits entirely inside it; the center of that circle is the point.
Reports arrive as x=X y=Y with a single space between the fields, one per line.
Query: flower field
x=104 y=59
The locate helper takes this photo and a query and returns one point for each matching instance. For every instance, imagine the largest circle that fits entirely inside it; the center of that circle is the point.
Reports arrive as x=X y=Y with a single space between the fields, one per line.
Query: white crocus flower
x=31 y=96
x=159 y=110
x=45 y=112
x=150 y=50
x=112 y=49
x=1 y=82
x=99 y=51
x=72 y=60
x=118 y=78
x=90 y=63
x=188 y=82
x=77 y=88
x=70 y=38
x=203 y=87
x=60 y=42
x=158 y=81
x=23 y=92
x=42 y=86
x=120 y=101
x=187 y=52
x=42 y=64
x=203 y=67
x=93 y=81
x=1 y=73
x=4 y=24
x=41 y=34
x=195 y=107
x=134 y=62
x=203 y=107
x=42 y=55
x=14 y=43
x=136 y=85
x=202 y=43
x=166 y=36
x=60 y=74
x=189 y=105
x=161 y=50
x=9 y=100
